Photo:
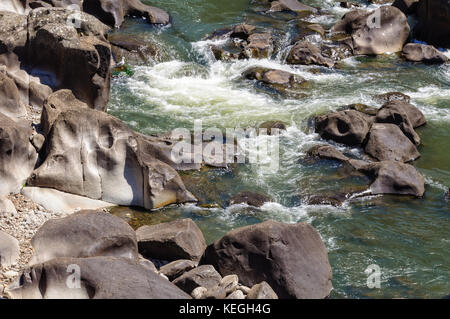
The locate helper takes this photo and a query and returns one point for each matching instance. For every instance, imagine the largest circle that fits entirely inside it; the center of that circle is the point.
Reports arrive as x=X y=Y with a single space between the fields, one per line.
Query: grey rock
x=176 y=268
x=262 y=291
x=9 y=250
x=417 y=52
x=202 y=276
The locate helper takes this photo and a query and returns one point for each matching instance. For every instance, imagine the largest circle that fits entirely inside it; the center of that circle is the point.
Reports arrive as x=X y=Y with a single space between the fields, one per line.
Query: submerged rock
x=100 y=278
x=249 y=198
x=84 y=234
x=391 y=96
x=291 y=258
x=180 y=239
x=384 y=30
x=423 y=53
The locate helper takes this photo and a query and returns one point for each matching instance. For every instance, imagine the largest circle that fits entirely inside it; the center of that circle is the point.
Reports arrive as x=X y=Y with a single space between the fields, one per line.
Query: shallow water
x=407 y=237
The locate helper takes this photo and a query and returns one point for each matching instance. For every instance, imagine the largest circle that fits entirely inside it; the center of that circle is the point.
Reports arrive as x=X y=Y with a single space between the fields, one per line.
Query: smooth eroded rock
x=9 y=249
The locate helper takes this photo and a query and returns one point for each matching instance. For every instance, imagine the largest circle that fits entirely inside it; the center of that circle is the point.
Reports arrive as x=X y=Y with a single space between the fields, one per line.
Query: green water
x=407 y=237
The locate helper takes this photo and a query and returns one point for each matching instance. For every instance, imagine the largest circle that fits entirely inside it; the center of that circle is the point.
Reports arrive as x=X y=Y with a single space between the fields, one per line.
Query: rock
x=292 y=5
x=223 y=55
x=59 y=202
x=9 y=250
x=202 y=276
x=326 y=200
x=17 y=155
x=11 y=105
x=260 y=45
x=38 y=141
x=249 y=198
x=238 y=294
x=363 y=108
x=107 y=161
x=386 y=142
x=348 y=127
x=216 y=292
x=304 y=52
x=403 y=114
x=391 y=96
x=395 y=178
x=84 y=234
x=349 y=4
x=149 y=265
x=291 y=258
x=423 y=53
x=60 y=43
x=7 y=208
x=369 y=37
x=406 y=6
x=242 y=31
x=199 y=293
x=133 y=50
x=176 y=268
x=262 y=291
x=113 y=12
x=229 y=283
x=100 y=278
x=272 y=127
x=277 y=79
x=433 y=24
x=326 y=152
x=244 y=289
x=180 y=239
x=447 y=196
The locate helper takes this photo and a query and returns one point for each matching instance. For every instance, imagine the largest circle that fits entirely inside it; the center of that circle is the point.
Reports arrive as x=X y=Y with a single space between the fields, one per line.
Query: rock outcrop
x=292 y=259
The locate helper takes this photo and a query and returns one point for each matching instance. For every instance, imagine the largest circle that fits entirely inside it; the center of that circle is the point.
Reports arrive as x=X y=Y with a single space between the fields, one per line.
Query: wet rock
x=260 y=45
x=433 y=24
x=272 y=127
x=391 y=96
x=349 y=4
x=238 y=294
x=423 y=53
x=17 y=155
x=180 y=239
x=307 y=53
x=222 y=54
x=242 y=31
x=84 y=234
x=395 y=178
x=406 y=6
x=291 y=258
x=100 y=278
x=307 y=29
x=9 y=249
x=250 y=198
x=107 y=161
x=403 y=114
x=369 y=110
x=276 y=79
x=202 y=276
x=11 y=105
x=326 y=152
x=386 y=142
x=367 y=37
x=176 y=268
x=292 y=5
x=113 y=12
x=262 y=291
x=326 y=200
x=348 y=127
x=131 y=49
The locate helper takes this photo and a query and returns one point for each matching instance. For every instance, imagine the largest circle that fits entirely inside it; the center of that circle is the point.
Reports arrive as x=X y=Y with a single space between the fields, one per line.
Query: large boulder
x=348 y=127
x=417 y=52
x=433 y=24
x=180 y=239
x=99 y=278
x=9 y=249
x=17 y=155
x=84 y=234
x=384 y=30
x=304 y=52
x=291 y=258
x=10 y=105
x=107 y=161
x=386 y=142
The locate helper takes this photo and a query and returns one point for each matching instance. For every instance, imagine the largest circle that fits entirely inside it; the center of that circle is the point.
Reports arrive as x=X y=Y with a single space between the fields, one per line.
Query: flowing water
x=407 y=238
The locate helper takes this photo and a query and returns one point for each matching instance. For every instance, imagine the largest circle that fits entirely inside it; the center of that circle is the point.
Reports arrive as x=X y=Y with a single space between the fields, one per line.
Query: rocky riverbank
x=64 y=161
